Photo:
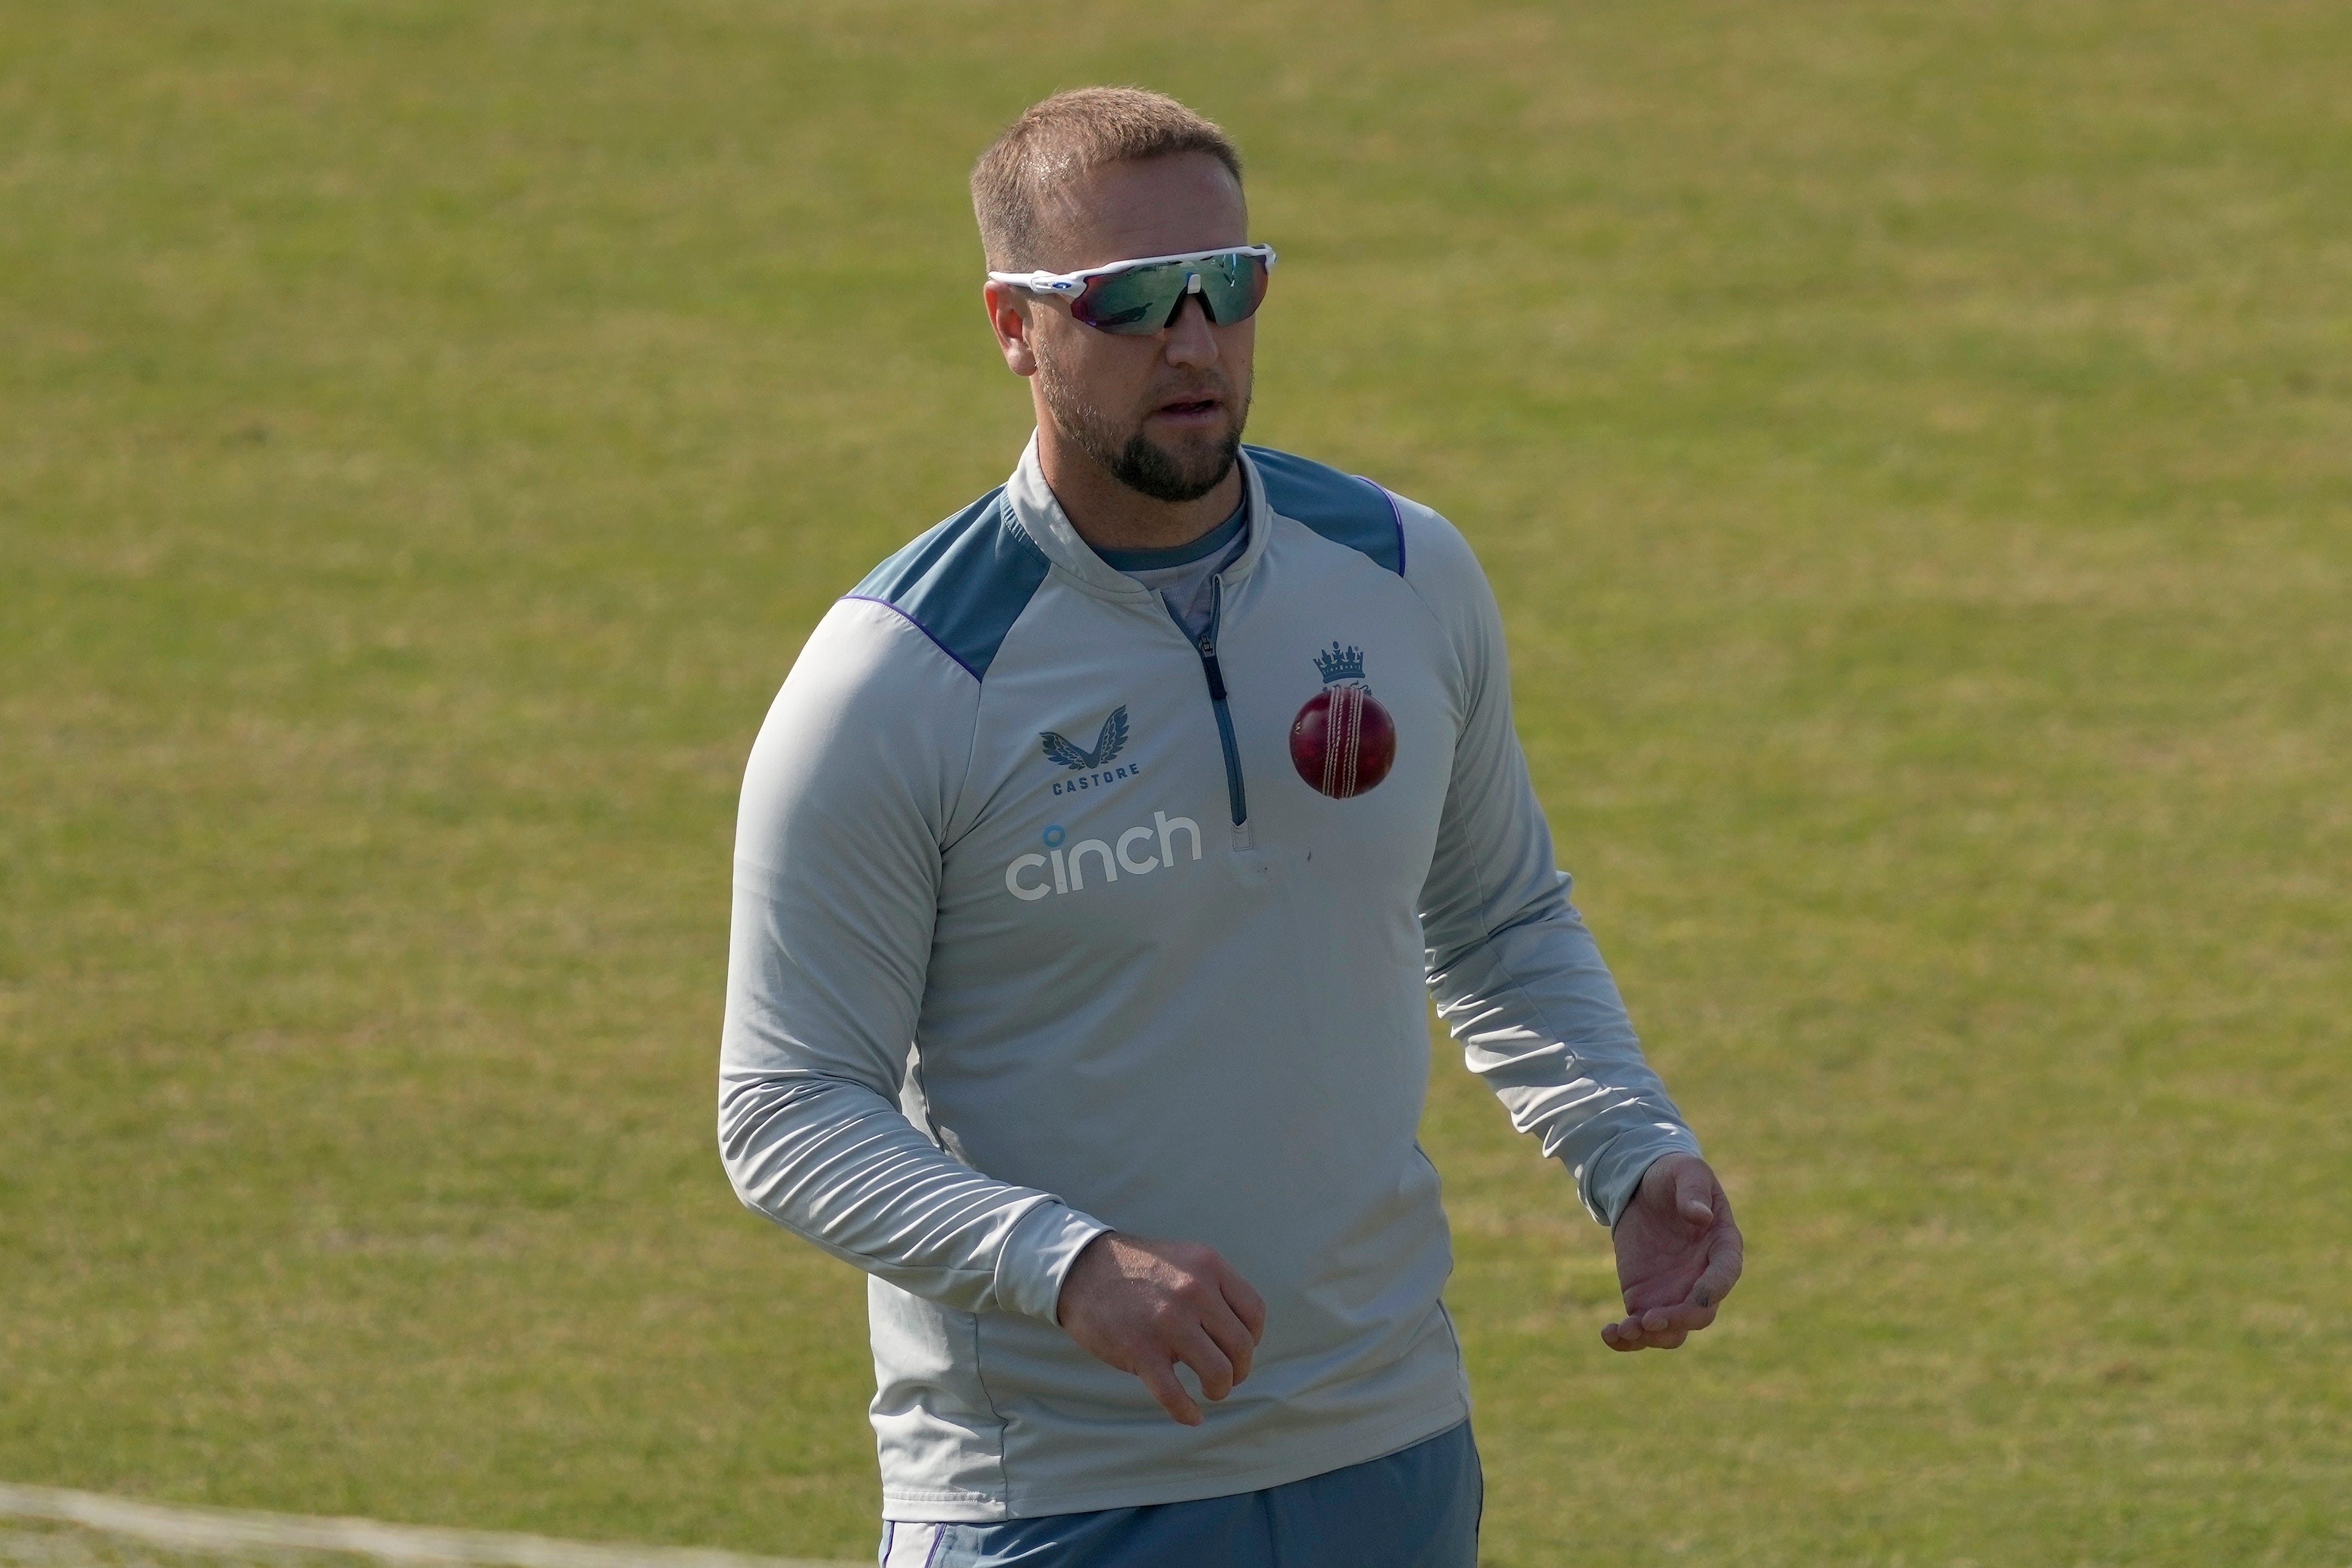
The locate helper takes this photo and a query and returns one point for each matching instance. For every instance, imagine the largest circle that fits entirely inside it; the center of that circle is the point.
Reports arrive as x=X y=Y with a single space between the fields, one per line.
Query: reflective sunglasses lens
x=1132 y=303
x=1140 y=302
x=1233 y=287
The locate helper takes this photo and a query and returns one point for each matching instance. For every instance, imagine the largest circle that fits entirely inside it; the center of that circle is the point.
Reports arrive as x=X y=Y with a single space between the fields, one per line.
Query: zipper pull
x=1216 y=676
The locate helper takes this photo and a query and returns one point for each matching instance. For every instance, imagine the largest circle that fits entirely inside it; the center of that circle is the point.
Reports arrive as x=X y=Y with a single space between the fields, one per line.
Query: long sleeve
x=847 y=799
x=1516 y=976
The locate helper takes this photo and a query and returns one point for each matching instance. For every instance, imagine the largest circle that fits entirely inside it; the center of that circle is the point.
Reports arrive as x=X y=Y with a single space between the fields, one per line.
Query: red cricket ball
x=1343 y=741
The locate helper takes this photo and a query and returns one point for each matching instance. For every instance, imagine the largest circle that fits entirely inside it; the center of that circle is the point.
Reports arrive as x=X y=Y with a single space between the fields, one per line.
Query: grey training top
x=1185 y=576
x=1040 y=929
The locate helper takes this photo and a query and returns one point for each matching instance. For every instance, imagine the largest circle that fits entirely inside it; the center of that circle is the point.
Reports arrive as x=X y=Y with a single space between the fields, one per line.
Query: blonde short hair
x=1066 y=135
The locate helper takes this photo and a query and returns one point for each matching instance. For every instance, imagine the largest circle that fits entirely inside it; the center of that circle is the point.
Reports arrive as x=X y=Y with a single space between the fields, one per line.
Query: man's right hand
x=1143 y=1306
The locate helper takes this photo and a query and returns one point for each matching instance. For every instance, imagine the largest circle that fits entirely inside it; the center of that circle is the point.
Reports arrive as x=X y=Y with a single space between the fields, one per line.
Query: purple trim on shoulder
x=1395 y=512
x=870 y=599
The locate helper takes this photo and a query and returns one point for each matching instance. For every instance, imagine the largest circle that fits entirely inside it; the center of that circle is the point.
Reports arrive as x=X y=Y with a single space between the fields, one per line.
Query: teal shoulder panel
x=964 y=583
x=1343 y=507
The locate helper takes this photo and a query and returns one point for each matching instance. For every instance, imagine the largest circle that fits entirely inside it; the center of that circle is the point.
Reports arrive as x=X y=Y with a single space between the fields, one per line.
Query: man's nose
x=1190 y=340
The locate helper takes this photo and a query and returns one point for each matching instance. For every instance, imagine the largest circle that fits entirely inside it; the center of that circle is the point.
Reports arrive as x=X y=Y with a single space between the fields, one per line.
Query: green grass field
x=1912 y=445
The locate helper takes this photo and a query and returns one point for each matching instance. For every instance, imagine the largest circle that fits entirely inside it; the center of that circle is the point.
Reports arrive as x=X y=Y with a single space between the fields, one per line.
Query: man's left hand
x=1678 y=1255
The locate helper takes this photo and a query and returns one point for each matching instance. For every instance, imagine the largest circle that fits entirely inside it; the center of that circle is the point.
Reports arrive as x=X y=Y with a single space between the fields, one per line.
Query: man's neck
x=1109 y=516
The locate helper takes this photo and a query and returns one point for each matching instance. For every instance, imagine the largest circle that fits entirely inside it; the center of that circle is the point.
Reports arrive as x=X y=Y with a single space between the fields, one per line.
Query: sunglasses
x=1139 y=297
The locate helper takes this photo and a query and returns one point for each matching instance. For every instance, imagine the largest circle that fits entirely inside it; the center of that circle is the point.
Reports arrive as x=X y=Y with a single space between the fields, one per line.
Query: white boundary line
x=229 y=1529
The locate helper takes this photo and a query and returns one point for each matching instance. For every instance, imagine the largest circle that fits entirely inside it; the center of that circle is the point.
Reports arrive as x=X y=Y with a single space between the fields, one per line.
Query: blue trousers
x=1417 y=1507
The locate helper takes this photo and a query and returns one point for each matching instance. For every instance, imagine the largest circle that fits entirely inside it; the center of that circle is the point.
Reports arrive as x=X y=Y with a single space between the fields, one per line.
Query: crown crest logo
x=1338 y=665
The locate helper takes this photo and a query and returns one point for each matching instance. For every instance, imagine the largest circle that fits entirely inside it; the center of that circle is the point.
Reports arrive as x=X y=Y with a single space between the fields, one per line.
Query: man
x=1090 y=865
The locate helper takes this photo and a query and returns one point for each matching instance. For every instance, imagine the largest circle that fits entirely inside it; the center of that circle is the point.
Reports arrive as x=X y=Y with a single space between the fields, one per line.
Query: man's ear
x=1011 y=314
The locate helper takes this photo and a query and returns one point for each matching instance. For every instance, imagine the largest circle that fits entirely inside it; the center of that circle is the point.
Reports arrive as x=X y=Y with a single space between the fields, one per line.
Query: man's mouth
x=1190 y=407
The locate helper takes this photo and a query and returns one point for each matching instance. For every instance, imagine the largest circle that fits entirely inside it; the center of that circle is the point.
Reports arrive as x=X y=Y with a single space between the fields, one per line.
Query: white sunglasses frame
x=1065 y=283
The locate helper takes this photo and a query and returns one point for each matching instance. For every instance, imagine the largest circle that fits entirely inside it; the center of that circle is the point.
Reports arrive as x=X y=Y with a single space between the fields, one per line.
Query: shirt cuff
x=1607 y=1180
x=1037 y=1255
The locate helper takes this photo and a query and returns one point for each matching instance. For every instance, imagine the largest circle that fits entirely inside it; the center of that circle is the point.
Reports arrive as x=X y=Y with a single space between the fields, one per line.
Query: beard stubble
x=1130 y=457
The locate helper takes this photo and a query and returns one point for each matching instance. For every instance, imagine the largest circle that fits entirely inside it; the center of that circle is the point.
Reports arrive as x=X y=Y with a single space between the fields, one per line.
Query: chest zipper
x=1205 y=645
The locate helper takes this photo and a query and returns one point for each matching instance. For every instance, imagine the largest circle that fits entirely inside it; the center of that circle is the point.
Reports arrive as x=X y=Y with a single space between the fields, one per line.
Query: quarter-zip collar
x=1040 y=515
